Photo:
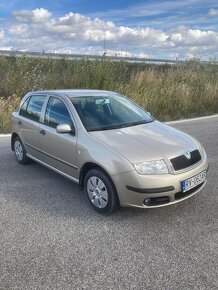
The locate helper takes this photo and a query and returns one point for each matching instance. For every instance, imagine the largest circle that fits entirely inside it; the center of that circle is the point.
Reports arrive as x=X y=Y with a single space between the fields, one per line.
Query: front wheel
x=100 y=191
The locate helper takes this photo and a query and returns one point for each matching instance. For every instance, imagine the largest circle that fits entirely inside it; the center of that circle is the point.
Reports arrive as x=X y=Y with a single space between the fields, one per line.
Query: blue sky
x=167 y=29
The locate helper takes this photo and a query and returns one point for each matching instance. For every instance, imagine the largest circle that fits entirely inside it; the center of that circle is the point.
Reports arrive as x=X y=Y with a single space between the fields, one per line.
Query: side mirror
x=64 y=128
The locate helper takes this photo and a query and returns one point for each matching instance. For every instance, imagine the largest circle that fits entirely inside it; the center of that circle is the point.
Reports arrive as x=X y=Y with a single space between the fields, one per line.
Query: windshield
x=109 y=112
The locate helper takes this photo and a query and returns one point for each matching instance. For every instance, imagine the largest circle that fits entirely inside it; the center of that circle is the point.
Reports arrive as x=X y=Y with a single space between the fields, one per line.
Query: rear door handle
x=42 y=132
x=19 y=123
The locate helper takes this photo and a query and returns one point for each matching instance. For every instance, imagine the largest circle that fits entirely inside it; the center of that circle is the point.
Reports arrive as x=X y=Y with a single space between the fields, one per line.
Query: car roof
x=75 y=93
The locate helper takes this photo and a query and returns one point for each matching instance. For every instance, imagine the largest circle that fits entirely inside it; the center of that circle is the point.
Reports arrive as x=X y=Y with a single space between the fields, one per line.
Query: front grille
x=182 y=162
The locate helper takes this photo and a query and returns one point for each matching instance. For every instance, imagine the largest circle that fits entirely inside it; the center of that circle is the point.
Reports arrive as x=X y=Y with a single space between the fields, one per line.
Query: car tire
x=100 y=191
x=20 y=152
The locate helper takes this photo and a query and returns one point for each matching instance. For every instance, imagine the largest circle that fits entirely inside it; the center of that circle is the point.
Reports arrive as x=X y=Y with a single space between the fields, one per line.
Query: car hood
x=151 y=141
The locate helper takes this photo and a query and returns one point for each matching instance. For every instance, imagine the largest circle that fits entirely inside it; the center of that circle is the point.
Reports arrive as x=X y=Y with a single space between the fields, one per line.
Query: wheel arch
x=87 y=167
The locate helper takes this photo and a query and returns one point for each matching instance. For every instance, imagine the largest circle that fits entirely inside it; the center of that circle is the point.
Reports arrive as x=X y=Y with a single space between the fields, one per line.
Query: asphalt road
x=50 y=238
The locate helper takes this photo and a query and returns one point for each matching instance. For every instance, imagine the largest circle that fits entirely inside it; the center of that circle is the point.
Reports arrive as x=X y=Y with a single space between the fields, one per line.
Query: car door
x=28 y=123
x=58 y=149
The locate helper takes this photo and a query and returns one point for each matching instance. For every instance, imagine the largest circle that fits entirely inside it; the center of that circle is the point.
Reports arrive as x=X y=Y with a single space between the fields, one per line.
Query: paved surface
x=51 y=239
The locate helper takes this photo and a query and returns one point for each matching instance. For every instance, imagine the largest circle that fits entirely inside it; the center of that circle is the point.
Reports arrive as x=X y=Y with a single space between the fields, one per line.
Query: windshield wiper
x=103 y=128
x=136 y=123
x=120 y=126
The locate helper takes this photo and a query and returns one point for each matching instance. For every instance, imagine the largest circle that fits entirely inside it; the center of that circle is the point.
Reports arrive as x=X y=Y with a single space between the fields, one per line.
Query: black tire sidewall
x=112 y=194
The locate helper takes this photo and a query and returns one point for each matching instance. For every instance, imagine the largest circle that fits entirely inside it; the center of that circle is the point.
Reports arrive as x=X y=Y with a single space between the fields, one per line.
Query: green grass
x=169 y=92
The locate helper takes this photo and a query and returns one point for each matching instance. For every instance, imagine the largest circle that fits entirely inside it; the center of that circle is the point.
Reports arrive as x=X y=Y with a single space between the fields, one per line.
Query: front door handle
x=19 y=123
x=42 y=132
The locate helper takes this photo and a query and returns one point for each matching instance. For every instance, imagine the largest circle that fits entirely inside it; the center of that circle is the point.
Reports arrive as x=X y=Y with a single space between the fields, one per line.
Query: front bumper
x=150 y=191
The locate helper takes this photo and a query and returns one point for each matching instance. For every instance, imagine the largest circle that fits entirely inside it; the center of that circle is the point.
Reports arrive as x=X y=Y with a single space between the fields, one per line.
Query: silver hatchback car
x=117 y=152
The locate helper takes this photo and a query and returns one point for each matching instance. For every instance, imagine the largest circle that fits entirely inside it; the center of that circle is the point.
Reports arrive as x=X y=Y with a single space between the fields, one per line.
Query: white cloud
x=2 y=41
x=5 y=48
x=41 y=15
x=27 y=16
x=2 y=34
x=19 y=30
x=38 y=30
x=74 y=26
x=213 y=12
x=194 y=37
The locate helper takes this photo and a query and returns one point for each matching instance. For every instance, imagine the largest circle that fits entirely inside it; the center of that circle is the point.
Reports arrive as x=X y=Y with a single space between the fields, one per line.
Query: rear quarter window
x=32 y=107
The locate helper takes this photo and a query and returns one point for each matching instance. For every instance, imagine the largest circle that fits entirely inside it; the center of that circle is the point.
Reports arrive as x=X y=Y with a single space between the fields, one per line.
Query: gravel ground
x=50 y=238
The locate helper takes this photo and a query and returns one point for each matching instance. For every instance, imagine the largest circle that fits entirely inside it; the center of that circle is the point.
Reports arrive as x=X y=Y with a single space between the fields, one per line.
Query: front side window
x=32 y=107
x=57 y=113
x=109 y=112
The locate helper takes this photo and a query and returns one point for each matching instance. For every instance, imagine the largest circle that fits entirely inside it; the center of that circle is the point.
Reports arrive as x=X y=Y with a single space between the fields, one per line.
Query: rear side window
x=24 y=108
x=57 y=113
x=32 y=107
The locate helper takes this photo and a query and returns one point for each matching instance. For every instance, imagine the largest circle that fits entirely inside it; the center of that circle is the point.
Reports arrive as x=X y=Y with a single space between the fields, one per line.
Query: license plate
x=194 y=181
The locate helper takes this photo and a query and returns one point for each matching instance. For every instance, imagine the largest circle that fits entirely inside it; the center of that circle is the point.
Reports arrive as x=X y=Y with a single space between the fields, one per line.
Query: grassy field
x=169 y=92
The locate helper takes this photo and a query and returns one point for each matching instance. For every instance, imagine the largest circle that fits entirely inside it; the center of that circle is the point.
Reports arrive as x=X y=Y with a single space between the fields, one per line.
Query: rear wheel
x=19 y=151
x=100 y=191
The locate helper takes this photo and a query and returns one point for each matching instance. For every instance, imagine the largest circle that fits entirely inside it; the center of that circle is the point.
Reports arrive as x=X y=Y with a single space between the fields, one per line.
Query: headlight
x=151 y=167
